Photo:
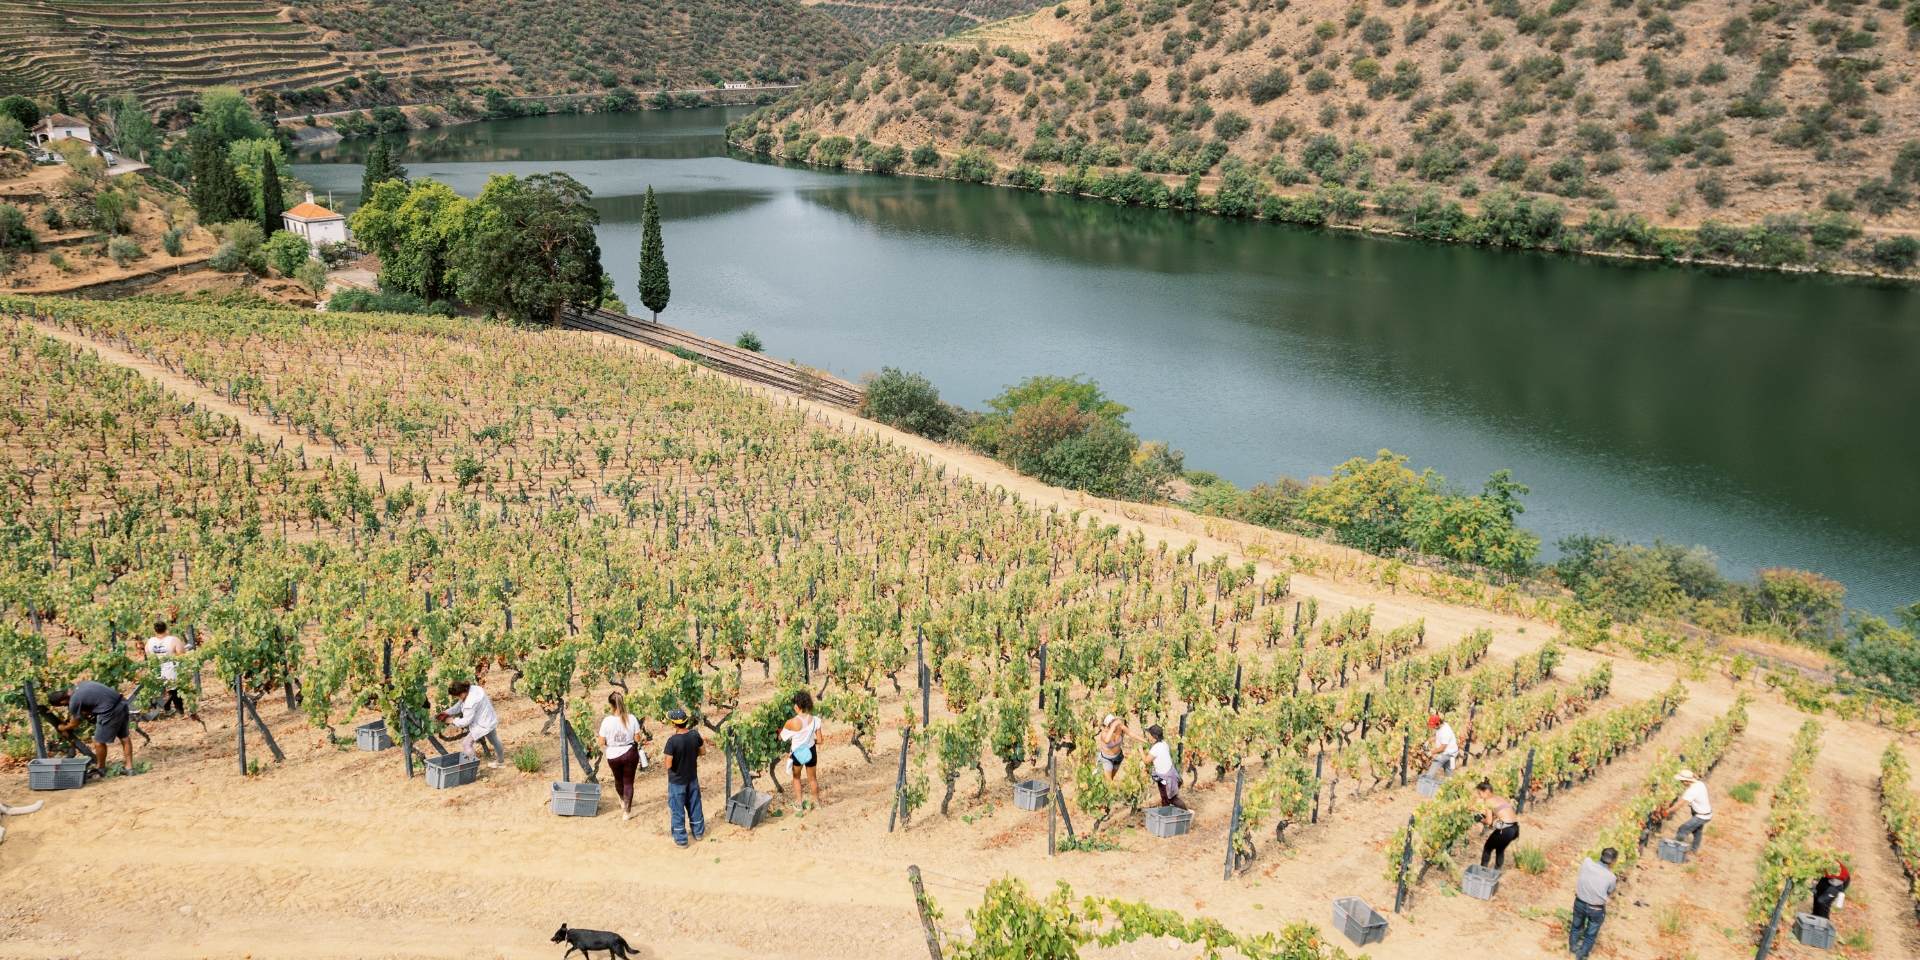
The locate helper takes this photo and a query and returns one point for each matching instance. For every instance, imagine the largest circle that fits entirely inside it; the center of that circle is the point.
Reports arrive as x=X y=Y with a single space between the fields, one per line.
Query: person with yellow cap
x=1695 y=796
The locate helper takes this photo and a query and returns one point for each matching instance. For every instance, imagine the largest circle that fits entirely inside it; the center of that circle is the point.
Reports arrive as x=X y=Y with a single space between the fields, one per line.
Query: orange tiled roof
x=311 y=211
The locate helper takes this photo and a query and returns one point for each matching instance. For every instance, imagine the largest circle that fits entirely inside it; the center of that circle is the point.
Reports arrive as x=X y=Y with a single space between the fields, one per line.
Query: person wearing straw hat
x=683 y=751
x=1695 y=796
x=1444 y=746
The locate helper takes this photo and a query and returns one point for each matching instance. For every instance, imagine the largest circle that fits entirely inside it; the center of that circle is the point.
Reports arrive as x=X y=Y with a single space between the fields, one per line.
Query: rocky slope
x=1790 y=131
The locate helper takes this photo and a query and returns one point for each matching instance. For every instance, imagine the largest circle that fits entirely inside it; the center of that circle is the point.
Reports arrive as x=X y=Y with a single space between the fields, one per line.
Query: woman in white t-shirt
x=624 y=756
x=802 y=734
x=1160 y=766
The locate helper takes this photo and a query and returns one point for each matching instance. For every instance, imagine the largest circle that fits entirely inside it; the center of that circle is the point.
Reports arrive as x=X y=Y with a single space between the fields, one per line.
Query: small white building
x=736 y=85
x=315 y=222
x=59 y=126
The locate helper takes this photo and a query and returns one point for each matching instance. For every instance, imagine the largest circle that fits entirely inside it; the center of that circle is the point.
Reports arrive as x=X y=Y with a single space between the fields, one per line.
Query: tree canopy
x=534 y=251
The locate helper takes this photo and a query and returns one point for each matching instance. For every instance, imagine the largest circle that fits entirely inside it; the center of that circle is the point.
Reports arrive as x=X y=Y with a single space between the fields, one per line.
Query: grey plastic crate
x=1673 y=851
x=1168 y=821
x=1479 y=882
x=372 y=737
x=748 y=808
x=574 y=799
x=1032 y=794
x=1428 y=785
x=1361 y=923
x=57 y=773
x=451 y=770
x=1813 y=931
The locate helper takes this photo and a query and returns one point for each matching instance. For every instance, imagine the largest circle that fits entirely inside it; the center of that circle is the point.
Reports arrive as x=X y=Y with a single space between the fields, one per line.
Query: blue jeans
x=1584 y=928
x=683 y=802
x=1695 y=826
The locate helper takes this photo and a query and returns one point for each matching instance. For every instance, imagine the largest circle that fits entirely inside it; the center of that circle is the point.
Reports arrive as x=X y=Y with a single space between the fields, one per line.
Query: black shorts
x=111 y=727
x=813 y=757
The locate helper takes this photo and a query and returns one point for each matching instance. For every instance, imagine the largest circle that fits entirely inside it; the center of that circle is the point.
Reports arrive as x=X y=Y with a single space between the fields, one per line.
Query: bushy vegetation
x=1569 y=122
x=600 y=45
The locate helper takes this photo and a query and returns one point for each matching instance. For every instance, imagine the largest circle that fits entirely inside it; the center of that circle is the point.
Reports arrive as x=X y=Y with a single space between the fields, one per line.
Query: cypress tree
x=273 y=199
x=217 y=195
x=654 y=289
x=376 y=169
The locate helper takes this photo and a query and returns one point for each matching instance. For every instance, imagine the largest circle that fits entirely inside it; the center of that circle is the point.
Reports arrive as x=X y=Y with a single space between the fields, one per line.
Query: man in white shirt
x=475 y=714
x=1444 y=746
x=167 y=648
x=1695 y=796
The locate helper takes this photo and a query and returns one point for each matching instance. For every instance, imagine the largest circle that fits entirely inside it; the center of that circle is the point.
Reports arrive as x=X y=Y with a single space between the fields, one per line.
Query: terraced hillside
x=1790 y=132
x=160 y=51
x=594 y=44
x=881 y=22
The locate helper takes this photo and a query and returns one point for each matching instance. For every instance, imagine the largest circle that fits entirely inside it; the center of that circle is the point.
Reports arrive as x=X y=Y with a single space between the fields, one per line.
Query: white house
x=315 y=222
x=59 y=126
x=736 y=85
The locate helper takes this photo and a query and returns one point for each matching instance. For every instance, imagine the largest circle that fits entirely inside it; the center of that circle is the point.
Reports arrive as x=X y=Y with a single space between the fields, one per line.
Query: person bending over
x=1497 y=813
x=1695 y=796
x=1444 y=746
x=475 y=715
x=109 y=712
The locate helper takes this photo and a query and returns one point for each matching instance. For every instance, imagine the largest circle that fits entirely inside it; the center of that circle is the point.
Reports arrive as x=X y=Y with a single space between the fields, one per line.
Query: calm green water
x=1775 y=420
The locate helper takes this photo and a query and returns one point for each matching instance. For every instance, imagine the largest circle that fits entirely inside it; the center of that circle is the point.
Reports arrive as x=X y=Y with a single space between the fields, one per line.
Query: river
x=1773 y=419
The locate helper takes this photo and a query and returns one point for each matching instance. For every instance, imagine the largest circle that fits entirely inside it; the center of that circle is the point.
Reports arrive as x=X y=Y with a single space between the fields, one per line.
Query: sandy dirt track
x=336 y=854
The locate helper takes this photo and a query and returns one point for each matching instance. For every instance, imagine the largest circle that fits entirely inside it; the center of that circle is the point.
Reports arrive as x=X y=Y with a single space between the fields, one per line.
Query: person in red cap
x=1445 y=747
x=1831 y=890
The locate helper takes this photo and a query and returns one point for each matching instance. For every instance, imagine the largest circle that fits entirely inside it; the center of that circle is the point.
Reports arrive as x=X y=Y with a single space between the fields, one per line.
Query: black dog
x=587 y=941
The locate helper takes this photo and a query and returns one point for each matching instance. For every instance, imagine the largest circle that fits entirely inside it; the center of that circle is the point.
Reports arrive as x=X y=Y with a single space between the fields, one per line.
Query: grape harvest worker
x=802 y=732
x=168 y=649
x=684 y=750
x=1590 y=895
x=624 y=756
x=1695 y=796
x=475 y=715
x=1165 y=773
x=1112 y=742
x=1444 y=746
x=109 y=712
x=1831 y=890
x=1497 y=813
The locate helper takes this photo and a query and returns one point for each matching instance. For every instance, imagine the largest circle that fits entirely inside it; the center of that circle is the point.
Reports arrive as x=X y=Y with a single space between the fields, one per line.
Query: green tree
x=133 y=132
x=415 y=228
x=535 y=251
x=273 y=202
x=908 y=401
x=288 y=252
x=654 y=288
x=217 y=194
x=381 y=167
x=227 y=115
x=22 y=109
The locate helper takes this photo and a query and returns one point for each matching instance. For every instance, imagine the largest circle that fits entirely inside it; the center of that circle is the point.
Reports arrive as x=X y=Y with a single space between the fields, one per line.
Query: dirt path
x=1878 y=901
x=336 y=854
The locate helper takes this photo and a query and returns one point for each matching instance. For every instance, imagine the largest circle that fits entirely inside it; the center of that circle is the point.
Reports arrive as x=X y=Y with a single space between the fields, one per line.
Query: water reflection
x=1766 y=417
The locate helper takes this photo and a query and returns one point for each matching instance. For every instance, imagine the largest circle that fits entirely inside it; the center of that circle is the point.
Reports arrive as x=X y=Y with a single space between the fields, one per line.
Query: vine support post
x=900 y=781
x=1043 y=678
x=1236 y=687
x=406 y=741
x=926 y=919
x=926 y=679
x=1526 y=782
x=1773 y=925
x=1180 y=749
x=239 y=718
x=33 y=720
x=1366 y=711
x=1406 y=746
x=1406 y=864
x=1053 y=790
x=1233 y=824
x=566 y=762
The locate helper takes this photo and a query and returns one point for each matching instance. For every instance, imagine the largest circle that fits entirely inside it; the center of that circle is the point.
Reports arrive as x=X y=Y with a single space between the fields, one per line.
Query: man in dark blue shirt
x=683 y=753
x=107 y=708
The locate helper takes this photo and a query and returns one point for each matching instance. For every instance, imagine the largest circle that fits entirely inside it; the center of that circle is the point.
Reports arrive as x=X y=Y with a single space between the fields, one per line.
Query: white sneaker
x=495 y=765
